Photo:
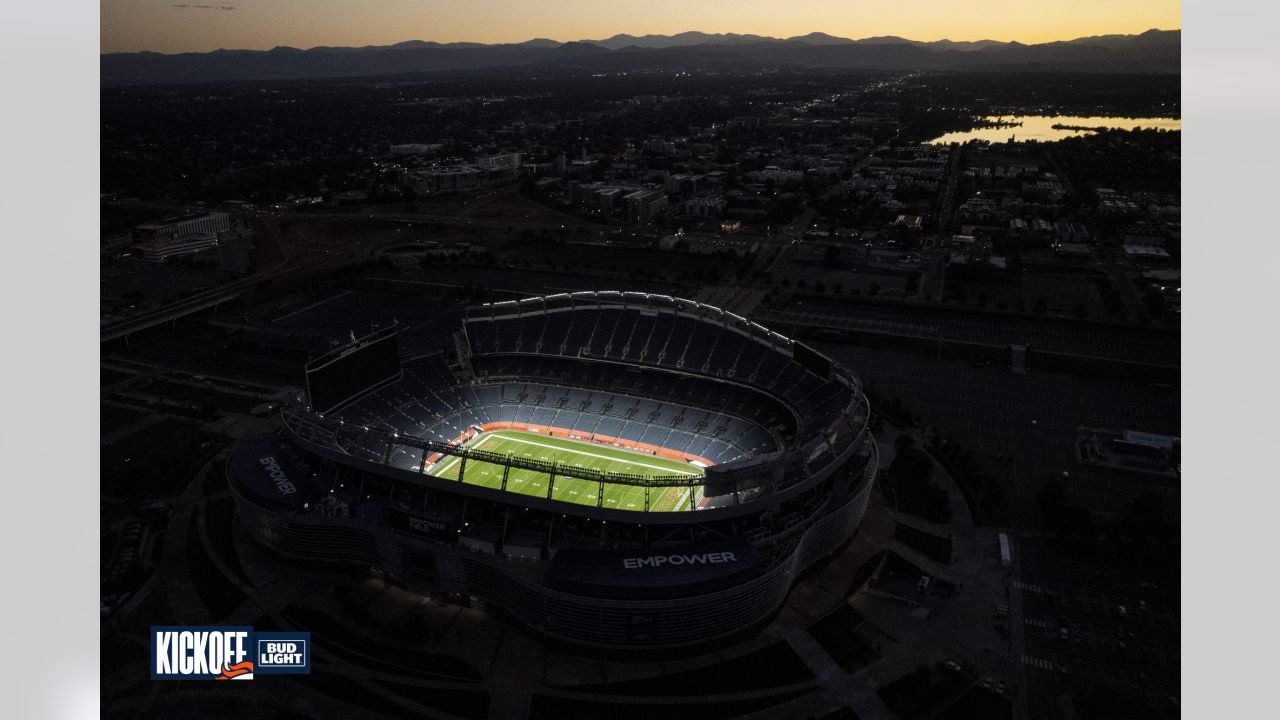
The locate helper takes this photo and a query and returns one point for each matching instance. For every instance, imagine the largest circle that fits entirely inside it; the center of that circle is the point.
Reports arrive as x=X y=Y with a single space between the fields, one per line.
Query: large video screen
x=336 y=378
x=812 y=360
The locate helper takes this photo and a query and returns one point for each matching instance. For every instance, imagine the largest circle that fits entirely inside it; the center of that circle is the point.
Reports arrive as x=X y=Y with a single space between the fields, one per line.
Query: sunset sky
x=201 y=25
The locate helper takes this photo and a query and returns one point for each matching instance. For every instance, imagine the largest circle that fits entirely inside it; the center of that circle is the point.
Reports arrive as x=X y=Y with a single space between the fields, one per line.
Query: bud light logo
x=186 y=652
x=283 y=653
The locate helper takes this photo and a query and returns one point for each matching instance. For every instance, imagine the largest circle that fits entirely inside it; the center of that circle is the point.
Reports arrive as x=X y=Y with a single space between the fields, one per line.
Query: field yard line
x=680 y=502
x=602 y=457
x=454 y=460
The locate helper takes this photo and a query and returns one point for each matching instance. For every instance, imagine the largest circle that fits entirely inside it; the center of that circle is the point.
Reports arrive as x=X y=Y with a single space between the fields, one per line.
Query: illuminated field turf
x=572 y=453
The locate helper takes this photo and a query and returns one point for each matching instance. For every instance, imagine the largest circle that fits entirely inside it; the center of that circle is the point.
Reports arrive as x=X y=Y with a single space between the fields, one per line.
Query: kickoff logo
x=189 y=652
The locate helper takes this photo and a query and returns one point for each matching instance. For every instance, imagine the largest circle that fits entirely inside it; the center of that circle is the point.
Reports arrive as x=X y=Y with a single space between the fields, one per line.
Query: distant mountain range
x=685 y=39
x=1154 y=51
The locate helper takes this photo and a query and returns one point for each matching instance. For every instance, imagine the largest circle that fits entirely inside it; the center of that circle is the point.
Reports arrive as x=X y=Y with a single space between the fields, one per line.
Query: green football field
x=577 y=454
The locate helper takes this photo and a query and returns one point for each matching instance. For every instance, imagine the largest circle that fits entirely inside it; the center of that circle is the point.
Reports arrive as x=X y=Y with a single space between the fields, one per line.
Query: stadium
x=609 y=469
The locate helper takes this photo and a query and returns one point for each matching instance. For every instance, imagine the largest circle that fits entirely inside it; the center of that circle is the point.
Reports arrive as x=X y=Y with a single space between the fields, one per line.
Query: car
x=952 y=665
x=1000 y=687
x=987 y=683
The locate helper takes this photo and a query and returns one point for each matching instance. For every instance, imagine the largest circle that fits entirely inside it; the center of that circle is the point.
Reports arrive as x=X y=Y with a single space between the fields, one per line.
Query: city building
x=447 y=178
x=497 y=162
x=643 y=205
x=414 y=149
x=181 y=235
x=704 y=207
x=702 y=244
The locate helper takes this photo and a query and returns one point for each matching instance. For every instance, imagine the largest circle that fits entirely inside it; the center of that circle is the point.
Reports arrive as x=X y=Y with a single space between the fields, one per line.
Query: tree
x=1052 y=498
x=1041 y=306
x=904 y=442
x=1145 y=515
x=209 y=406
x=831 y=257
x=913 y=282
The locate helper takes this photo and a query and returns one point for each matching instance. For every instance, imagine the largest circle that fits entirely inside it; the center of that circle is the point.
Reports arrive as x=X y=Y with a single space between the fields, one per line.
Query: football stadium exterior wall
x=515 y=586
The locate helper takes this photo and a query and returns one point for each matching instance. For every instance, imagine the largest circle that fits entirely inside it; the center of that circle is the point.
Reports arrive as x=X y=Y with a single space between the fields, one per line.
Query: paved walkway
x=845 y=689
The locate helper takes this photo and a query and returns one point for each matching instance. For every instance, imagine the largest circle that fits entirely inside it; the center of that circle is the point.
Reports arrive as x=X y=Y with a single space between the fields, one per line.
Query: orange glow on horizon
x=161 y=26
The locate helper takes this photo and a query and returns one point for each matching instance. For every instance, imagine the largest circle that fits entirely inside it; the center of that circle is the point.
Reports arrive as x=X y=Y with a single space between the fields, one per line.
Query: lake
x=1040 y=128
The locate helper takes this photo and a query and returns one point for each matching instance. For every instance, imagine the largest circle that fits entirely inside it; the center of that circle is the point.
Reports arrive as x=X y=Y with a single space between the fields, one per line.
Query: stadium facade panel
x=781 y=466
